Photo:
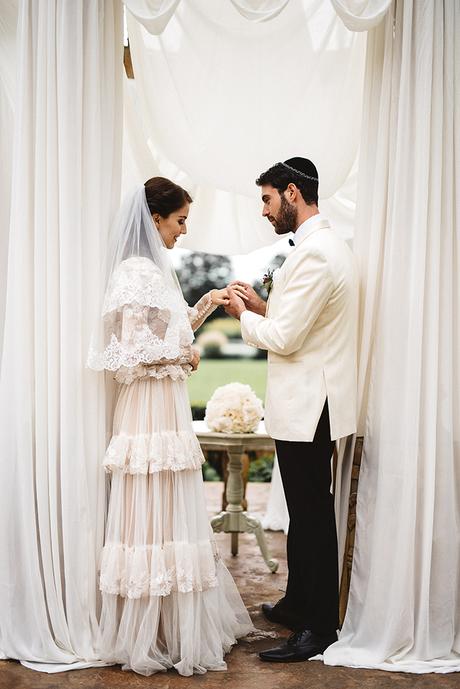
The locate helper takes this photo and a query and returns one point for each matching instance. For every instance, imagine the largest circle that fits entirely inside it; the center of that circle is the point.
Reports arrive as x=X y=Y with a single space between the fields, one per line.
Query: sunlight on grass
x=215 y=372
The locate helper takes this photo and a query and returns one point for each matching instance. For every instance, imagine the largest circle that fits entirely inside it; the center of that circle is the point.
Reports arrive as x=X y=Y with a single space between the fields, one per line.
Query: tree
x=199 y=273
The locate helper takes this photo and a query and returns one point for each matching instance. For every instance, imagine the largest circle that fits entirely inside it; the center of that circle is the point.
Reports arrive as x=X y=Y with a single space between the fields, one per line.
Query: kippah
x=299 y=172
x=293 y=164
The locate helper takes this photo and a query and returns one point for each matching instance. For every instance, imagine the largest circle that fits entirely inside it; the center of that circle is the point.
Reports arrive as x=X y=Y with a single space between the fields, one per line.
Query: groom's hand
x=249 y=296
x=235 y=306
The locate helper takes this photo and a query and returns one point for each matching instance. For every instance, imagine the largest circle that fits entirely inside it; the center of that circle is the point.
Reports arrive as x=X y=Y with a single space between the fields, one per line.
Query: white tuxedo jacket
x=310 y=332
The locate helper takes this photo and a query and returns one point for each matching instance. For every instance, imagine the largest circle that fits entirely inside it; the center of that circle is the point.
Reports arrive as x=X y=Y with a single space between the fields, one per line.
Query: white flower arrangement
x=234 y=408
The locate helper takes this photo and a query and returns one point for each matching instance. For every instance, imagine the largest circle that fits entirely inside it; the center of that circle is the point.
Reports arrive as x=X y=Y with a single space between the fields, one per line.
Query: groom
x=308 y=325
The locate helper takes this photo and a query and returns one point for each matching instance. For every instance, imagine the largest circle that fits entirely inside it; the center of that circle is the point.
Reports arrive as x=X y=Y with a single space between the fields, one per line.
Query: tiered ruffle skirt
x=167 y=598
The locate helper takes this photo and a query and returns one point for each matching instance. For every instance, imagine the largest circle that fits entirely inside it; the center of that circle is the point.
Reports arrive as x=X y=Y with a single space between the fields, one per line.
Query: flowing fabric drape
x=276 y=517
x=155 y=14
x=404 y=605
x=8 y=23
x=65 y=185
x=361 y=15
x=241 y=95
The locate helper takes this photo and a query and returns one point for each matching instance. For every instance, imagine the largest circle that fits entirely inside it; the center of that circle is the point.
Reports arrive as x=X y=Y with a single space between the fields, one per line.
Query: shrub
x=198 y=412
x=230 y=327
x=210 y=343
x=209 y=473
x=261 y=469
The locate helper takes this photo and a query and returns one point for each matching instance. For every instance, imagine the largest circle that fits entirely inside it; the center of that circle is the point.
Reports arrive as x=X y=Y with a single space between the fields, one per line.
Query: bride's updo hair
x=165 y=197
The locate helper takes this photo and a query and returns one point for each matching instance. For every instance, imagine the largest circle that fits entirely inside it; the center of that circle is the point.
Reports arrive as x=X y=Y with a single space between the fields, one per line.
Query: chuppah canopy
x=224 y=90
x=403 y=612
x=63 y=118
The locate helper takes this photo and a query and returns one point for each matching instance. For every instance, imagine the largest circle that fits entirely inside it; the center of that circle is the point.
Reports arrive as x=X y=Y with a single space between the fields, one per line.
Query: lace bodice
x=148 y=326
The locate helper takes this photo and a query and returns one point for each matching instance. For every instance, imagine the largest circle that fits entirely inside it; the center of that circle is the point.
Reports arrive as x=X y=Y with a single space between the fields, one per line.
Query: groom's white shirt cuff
x=249 y=321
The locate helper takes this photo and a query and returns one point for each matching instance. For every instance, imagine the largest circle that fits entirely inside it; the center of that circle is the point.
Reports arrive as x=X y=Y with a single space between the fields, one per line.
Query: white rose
x=234 y=408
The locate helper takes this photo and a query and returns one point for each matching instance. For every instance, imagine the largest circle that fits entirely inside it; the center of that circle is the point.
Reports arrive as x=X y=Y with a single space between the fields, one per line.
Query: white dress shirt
x=303 y=229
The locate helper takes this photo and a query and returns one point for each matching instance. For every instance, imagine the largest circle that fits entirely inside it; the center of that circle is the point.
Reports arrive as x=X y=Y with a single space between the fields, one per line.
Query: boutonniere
x=267 y=280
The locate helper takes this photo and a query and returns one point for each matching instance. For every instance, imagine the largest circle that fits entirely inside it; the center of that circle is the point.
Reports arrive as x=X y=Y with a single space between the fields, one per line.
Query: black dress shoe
x=300 y=646
x=278 y=614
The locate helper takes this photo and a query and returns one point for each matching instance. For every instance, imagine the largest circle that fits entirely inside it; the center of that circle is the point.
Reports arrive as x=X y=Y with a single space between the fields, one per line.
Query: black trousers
x=312 y=593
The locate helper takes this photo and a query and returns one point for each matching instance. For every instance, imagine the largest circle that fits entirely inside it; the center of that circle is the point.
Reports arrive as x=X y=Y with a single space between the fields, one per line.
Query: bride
x=168 y=601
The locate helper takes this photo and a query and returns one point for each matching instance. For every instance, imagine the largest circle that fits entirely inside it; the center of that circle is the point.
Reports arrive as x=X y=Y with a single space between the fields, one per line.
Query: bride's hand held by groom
x=219 y=297
x=242 y=296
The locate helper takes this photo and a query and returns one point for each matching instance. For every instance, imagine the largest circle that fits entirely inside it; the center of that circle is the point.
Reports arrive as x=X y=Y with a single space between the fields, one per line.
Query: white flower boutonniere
x=267 y=280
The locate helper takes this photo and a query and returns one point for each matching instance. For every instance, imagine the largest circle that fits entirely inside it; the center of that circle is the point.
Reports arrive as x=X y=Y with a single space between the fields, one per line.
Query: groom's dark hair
x=300 y=171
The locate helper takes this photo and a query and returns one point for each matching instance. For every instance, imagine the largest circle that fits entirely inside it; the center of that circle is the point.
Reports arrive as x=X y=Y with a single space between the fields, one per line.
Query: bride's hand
x=219 y=297
x=195 y=360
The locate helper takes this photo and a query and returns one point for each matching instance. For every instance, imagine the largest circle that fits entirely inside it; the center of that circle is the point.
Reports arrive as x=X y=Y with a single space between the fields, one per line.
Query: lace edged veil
x=143 y=316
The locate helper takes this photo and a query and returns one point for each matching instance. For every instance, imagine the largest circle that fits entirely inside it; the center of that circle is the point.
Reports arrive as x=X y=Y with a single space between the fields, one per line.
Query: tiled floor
x=245 y=671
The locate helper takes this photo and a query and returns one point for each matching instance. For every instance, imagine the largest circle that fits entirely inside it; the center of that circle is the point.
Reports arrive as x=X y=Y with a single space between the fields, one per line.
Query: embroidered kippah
x=298 y=172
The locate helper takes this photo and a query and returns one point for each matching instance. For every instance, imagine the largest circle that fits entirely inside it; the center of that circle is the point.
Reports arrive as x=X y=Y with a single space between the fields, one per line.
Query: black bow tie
x=291 y=242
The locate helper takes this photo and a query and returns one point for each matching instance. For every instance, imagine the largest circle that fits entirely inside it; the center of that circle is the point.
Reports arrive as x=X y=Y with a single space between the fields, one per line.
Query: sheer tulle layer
x=152 y=429
x=167 y=600
x=141 y=454
x=158 y=570
x=190 y=632
x=156 y=522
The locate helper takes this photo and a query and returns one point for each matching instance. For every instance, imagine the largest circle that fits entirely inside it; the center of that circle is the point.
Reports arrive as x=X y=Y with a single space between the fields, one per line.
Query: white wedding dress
x=168 y=601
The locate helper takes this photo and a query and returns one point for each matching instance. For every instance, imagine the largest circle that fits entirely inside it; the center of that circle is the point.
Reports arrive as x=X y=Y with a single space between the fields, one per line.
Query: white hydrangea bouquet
x=234 y=408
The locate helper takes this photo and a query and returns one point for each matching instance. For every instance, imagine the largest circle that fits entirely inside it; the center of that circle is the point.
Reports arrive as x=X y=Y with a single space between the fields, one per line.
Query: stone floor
x=245 y=671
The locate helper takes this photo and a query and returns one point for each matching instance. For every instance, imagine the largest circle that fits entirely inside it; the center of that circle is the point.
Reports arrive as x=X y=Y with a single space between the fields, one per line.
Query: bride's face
x=173 y=226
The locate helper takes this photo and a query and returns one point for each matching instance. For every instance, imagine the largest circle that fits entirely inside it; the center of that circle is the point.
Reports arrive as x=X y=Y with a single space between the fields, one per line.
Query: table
x=234 y=519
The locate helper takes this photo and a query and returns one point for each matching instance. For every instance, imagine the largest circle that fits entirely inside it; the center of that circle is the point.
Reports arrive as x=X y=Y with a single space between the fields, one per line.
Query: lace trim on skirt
x=157 y=570
x=157 y=371
x=149 y=453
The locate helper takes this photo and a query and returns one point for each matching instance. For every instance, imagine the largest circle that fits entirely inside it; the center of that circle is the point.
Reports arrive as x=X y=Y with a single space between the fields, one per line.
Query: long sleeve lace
x=200 y=312
x=153 y=350
x=146 y=324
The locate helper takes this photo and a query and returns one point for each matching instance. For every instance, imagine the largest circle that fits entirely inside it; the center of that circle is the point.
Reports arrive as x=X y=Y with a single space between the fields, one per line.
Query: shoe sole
x=288 y=660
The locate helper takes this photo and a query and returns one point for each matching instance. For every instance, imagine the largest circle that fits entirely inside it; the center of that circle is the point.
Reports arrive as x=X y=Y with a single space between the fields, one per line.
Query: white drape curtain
x=404 y=606
x=64 y=187
x=220 y=98
x=361 y=15
x=155 y=14
x=8 y=22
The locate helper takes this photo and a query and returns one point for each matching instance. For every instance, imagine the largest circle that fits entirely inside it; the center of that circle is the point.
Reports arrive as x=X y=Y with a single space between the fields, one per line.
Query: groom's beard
x=287 y=218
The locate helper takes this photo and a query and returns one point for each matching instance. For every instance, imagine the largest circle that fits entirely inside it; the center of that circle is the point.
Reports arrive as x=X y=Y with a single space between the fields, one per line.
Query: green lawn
x=215 y=372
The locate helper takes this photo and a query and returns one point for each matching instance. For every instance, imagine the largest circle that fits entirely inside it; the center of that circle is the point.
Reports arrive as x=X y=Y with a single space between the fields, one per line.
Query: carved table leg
x=235 y=480
x=254 y=526
x=234 y=520
x=245 y=474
